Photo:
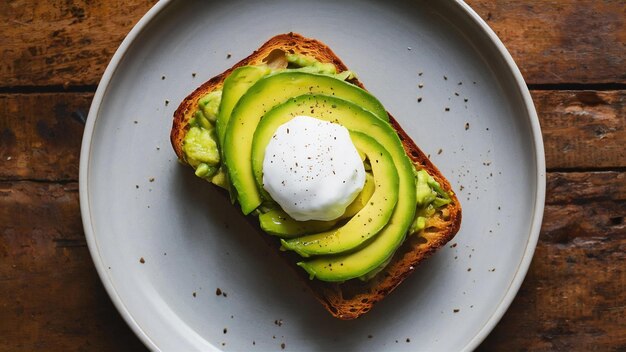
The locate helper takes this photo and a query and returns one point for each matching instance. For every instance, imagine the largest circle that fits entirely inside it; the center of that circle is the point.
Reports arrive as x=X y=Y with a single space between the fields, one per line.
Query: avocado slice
x=358 y=263
x=370 y=220
x=278 y=223
x=260 y=98
x=236 y=85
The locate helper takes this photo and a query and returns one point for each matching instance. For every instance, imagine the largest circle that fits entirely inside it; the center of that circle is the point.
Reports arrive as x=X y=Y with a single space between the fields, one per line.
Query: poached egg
x=312 y=169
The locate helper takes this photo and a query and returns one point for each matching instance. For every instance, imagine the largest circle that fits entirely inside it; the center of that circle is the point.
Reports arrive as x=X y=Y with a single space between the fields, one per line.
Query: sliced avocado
x=358 y=263
x=236 y=85
x=264 y=95
x=367 y=222
x=361 y=200
x=278 y=223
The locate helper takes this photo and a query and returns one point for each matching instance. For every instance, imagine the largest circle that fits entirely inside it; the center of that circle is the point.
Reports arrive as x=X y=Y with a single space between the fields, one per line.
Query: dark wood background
x=571 y=52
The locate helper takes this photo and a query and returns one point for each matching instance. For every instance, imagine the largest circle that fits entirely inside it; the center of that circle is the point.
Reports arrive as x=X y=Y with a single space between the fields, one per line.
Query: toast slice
x=352 y=298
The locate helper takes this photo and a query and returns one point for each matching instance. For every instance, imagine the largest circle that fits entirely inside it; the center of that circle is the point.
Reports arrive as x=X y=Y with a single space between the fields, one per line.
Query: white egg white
x=312 y=169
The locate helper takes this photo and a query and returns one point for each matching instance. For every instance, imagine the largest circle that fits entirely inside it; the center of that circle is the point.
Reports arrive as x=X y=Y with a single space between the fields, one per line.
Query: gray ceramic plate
x=475 y=119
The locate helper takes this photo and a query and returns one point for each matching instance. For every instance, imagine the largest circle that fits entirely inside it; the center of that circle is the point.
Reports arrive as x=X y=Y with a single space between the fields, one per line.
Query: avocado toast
x=405 y=211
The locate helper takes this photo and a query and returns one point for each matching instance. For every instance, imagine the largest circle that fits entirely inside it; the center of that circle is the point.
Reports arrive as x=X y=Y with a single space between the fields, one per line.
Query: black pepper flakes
x=419 y=99
x=225 y=330
x=408 y=340
x=456 y=310
x=142 y=261
x=229 y=55
x=193 y=294
x=218 y=292
x=282 y=346
x=467 y=126
x=447 y=109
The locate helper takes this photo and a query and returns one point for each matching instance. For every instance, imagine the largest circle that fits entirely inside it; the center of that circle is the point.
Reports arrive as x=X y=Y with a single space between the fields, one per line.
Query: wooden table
x=571 y=52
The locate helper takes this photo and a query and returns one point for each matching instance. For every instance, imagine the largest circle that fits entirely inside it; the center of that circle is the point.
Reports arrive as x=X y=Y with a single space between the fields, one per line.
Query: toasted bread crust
x=353 y=298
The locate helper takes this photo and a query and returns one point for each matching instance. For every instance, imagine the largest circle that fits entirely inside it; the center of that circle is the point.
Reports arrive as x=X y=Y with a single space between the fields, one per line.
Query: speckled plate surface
x=164 y=242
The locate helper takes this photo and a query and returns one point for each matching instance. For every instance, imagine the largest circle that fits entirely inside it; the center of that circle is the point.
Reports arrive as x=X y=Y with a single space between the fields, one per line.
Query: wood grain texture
x=582 y=129
x=62 y=42
x=40 y=135
x=565 y=41
x=70 y=42
x=51 y=298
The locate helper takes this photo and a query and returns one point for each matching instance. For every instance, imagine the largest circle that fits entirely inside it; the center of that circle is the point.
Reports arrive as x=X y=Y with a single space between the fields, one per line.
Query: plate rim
x=140 y=26
x=84 y=167
x=540 y=194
